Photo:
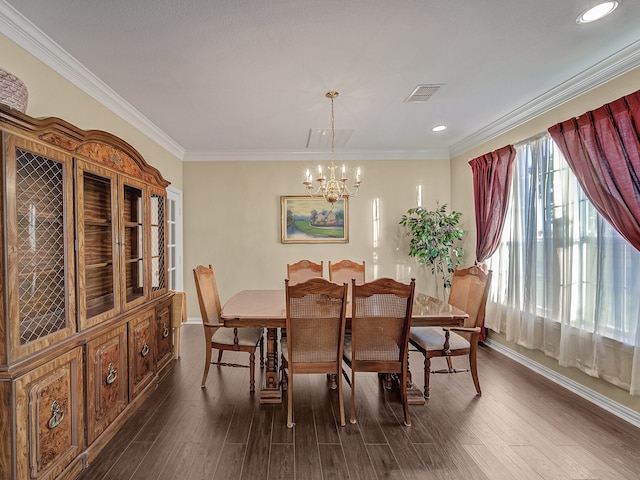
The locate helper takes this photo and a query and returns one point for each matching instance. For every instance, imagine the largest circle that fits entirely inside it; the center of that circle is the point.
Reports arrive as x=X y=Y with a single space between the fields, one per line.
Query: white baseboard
x=601 y=401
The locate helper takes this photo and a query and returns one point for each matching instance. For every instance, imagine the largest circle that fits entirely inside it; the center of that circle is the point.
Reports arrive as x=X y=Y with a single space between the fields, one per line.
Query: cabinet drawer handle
x=165 y=331
x=145 y=349
x=112 y=374
x=56 y=415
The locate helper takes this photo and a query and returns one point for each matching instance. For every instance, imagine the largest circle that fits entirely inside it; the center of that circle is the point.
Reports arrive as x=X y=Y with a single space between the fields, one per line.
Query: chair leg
x=353 y=396
x=283 y=374
x=405 y=400
x=262 y=351
x=449 y=364
x=252 y=371
x=388 y=381
x=290 y=401
x=427 y=373
x=207 y=357
x=340 y=399
x=473 y=365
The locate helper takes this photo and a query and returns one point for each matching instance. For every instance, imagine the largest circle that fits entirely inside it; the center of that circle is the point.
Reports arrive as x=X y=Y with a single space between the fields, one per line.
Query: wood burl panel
x=107 y=393
x=49 y=417
x=114 y=158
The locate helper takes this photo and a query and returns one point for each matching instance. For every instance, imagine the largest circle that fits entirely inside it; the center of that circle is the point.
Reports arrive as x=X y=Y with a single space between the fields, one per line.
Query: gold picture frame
x=314 y=220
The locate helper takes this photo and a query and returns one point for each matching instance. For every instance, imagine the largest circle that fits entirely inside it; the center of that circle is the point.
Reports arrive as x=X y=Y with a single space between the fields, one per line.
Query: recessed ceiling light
x=599 y=11
x=439 y=128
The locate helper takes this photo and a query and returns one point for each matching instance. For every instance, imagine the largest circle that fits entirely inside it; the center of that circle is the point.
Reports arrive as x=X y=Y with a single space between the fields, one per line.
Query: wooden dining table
x=267 y=309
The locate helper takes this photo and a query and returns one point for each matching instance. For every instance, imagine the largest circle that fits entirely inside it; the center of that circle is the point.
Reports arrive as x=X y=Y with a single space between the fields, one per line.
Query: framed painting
x=314 y=220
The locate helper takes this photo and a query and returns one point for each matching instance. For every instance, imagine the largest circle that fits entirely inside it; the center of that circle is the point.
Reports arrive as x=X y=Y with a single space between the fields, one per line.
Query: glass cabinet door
x=158 y=243
x=97 y=249
x=132 y=242
x=39 y=233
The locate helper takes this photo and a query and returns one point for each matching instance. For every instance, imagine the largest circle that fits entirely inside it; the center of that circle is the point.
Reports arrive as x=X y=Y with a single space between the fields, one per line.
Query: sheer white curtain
x=564 y=281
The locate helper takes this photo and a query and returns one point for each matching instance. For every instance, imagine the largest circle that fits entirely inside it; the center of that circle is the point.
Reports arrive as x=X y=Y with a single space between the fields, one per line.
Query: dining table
x=267 y=309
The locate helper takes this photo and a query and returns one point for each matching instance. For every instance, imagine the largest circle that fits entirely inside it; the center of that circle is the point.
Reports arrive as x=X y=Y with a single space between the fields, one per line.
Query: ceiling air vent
x=422 y=93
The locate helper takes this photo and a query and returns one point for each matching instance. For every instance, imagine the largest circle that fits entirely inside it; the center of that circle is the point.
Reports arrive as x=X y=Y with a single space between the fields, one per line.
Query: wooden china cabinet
x=85 y=318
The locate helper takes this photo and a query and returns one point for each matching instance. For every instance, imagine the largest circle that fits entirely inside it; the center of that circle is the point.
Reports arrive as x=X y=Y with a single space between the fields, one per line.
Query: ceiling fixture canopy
x=333 y=189
x=599 y=11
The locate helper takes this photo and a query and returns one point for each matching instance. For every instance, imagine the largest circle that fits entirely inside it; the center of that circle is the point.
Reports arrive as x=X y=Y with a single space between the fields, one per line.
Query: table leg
x=271 y=392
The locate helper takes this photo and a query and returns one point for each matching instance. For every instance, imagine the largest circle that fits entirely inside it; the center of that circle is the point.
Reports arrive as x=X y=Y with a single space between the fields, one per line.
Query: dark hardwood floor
x=522 y=427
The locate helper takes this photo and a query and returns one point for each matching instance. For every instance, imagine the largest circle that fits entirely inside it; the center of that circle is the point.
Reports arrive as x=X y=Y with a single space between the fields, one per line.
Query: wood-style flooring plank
x=231 y=462
x=332 y=461
x=359 y=463
x=306 y=454
x=256 y=465
x=384 y=462
x=281 y=464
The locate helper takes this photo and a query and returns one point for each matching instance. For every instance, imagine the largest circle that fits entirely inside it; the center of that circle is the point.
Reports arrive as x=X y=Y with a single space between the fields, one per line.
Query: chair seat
x=247 y=337
x=432 y=338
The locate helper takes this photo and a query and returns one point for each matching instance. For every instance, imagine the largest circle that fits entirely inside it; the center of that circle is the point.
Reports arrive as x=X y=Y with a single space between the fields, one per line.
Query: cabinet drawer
x=107 y=385
x=141 y=352
x=164 y=336
x=49 y=417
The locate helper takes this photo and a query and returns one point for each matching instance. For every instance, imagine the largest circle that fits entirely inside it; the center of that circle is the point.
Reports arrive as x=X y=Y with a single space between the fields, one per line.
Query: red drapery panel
x=602 y=147
x=491 y=186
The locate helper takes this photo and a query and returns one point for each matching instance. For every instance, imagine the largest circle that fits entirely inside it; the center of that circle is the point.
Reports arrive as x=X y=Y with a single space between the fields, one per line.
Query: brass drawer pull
x=112 y=374
x=165 y=331
x=145 y=349
x=56 y=415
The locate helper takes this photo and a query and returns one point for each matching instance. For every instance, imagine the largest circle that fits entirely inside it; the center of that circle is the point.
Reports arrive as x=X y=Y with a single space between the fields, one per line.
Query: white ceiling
x=245 y=79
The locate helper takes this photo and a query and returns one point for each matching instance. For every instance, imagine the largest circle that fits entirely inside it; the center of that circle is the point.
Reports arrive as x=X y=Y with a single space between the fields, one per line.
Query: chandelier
x=332 y=189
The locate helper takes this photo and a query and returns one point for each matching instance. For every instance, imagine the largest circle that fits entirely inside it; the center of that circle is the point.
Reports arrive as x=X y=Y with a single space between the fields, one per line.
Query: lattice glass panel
x=41 y=255
x=158 y=280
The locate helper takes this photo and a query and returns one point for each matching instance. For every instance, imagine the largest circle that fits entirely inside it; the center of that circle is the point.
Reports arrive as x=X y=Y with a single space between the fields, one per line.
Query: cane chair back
x=216 y=335
x=303 y=270
x=380 y=324
x=316 y=317
x=469 y=292
x=345 y=270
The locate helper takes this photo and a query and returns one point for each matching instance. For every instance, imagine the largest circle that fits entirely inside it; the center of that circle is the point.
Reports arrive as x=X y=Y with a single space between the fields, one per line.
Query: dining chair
x=469 y=291
x=216 y=335
x=304 y=270
x=316 y=318
x=345 y=270
x=380 y=323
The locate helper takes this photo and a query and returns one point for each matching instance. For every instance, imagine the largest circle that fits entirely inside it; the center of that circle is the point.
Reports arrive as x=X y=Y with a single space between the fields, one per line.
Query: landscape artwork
x=314 y=220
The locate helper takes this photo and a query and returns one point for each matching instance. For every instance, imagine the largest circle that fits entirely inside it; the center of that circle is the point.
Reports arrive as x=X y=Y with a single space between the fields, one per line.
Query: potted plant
x=435 y=237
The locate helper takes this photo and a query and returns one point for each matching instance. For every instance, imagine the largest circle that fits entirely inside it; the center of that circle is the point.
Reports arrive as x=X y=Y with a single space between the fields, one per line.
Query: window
x=565 y=281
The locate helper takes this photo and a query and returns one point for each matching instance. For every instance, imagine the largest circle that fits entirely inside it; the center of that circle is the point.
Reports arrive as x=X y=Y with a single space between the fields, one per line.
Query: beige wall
x=50 y=95
x=462 y=200
x=232 y=220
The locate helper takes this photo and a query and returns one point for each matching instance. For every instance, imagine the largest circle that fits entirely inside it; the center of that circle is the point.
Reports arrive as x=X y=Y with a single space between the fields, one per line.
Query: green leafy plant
x=435 y=237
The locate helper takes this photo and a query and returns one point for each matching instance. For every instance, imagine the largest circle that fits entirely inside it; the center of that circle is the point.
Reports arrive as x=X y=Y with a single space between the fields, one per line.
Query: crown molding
x=613 y=66
x=20 y=30
x=361 y=155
